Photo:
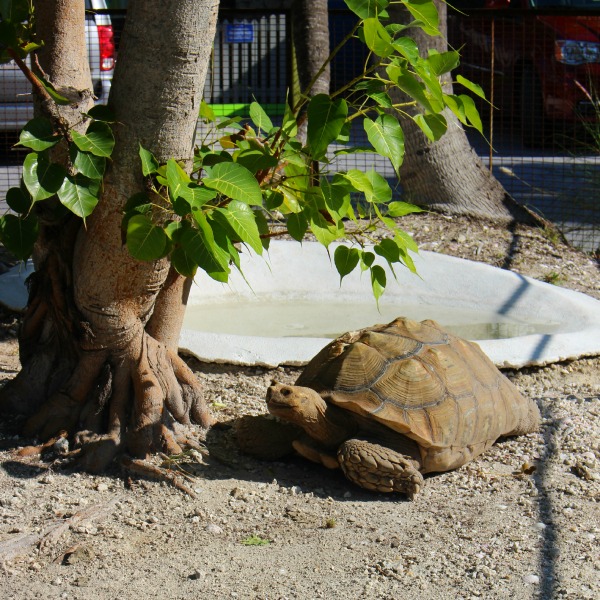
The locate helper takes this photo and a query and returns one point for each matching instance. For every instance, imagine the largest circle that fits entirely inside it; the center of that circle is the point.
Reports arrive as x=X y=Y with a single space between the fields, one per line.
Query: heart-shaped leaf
x=98 y=139
x=345 y=260
x=87 y=164
x=235 y=182
x=38 y=135
x=18 y=234
x=145 y=240
x=41 y=177
x=326 y=119
x=387 y=138
x=241 y=219
x=79 y=194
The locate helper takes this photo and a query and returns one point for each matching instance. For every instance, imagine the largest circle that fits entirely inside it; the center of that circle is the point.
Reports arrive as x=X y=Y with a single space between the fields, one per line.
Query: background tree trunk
x=447 y=175
x=310 y=32
x=124 y=388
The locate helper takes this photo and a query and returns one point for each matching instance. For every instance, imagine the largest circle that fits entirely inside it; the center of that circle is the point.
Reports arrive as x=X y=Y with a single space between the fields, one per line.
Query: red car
x=538 y=60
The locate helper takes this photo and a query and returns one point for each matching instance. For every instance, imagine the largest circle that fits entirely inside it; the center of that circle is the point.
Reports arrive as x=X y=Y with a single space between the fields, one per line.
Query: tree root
x=143 y=399
x=147 y=469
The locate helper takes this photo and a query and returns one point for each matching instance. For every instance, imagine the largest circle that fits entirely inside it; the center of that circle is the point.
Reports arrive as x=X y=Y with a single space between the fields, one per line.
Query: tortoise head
x=305 y=407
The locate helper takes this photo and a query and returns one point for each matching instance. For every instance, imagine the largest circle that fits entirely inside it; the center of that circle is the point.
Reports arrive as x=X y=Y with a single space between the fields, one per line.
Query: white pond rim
x=292 y=299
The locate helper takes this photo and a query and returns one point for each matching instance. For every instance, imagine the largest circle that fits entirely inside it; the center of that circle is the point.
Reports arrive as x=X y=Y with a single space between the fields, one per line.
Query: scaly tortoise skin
x=391 y=402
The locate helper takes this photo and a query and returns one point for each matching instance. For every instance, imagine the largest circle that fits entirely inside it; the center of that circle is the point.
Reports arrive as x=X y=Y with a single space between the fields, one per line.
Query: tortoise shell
x=423 y=382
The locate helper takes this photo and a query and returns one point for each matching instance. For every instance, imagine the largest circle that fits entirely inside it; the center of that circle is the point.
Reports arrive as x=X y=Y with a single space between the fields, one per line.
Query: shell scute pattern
x=418 y=380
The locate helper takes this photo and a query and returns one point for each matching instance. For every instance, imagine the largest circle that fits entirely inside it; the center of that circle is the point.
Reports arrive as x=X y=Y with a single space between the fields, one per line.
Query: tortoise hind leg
x=379 y=468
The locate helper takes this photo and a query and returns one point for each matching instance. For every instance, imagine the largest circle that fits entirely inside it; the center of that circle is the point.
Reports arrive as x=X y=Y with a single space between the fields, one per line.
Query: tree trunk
x=447 y=175
x=310 y=31
x=103 y=325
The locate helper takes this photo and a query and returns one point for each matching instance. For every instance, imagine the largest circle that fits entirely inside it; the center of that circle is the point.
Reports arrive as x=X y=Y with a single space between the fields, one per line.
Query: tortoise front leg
x=379 y=468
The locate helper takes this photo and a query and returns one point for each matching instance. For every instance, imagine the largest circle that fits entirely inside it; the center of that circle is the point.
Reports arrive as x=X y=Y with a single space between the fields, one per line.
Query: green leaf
x=14 y=11
x=405 y=240
x=177 y=179
x=38 y=135
x=325 y=121
x=377 y=39
x=323 y=230
x=455 y=104
x=387 y=138
x=389 y=250
x=199 y=245
x=41 y=177
x=255 y=160
x=375 y=187
x=297 y=226
x=263 y=228
x=9 y=38
x=197 y=195
x=472 y=87
x=289 y=125
x=399 y=209
x=149 y=163
x=345 y=260
x=366 y=259
x=98 y=139
x=471 y=112
x=101 y=112
x=366 y=9
x=336 y=198
x=378 y=281
x=183 y=263
x=79 y=194
x=426 y=12
x=242 y=220
x=206 y=112
x=433 y=126
x=235 y=182
x=408 y=48
x=224 y=242
x=260 y=118
x=18 y=234
x=87 y=164
x=138 y=203
x=145 y=240
x=18 y=200
x=409 y=84
x=381 y=99
x=443 y=62
x=51 y=91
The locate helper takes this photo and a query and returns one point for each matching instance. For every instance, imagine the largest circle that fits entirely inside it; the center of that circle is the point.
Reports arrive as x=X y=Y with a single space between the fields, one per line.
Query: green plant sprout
x=255 y=540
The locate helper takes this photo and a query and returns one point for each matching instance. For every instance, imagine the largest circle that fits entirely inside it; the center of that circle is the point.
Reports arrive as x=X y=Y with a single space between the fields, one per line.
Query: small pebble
x=213 y=529
x=533 y=579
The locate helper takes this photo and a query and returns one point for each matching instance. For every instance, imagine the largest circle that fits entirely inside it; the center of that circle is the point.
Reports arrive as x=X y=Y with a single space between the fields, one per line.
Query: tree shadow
x=549 y=553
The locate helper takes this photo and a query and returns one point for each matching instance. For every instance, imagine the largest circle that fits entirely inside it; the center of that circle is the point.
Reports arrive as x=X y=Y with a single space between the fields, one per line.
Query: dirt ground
x=520 y=522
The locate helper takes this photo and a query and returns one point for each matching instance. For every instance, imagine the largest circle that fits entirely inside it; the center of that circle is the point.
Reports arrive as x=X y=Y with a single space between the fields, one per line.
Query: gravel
x=520 y=522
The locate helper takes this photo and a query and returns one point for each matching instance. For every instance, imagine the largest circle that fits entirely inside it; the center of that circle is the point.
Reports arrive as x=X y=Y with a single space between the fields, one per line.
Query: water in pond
x=297 y=318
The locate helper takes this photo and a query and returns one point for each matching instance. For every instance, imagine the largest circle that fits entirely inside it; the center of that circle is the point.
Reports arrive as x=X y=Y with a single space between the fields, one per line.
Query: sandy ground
x=520 y=522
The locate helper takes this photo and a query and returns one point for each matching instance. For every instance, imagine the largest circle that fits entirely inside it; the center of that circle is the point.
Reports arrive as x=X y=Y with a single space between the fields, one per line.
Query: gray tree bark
x=310 y=30
x=103 y=325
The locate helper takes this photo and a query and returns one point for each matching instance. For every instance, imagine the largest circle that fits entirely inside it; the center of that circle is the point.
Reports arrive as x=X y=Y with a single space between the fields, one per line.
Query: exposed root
x=146 y=469
x=138 y=401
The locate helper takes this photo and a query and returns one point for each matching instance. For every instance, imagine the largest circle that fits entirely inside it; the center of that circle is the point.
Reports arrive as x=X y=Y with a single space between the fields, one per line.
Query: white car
x=16 y=106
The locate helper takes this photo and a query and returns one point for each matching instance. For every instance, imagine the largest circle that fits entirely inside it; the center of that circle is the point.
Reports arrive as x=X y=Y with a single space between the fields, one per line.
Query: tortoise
x=391 y=402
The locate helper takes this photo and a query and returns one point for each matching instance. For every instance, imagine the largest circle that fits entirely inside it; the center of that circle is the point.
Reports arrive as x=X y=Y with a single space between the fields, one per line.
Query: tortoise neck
x=331 y=425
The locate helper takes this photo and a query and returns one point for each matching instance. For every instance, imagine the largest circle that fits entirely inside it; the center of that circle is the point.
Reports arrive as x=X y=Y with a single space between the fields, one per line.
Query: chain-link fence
x=541 y=138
